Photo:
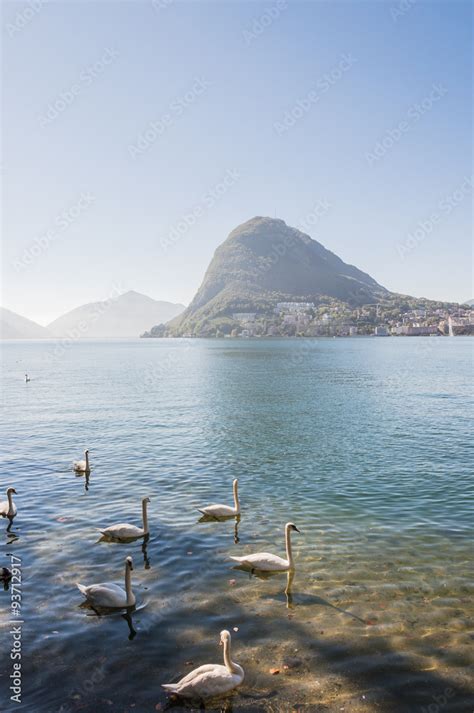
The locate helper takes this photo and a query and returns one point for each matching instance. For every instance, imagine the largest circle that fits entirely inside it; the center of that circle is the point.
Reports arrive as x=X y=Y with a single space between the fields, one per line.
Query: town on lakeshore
x=336 y=319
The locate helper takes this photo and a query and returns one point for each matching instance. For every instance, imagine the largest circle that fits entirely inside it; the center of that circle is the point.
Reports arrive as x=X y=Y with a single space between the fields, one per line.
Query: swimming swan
x=82 y=466
x=224 y=510
x=124 y=531
x=109 y=594
x=8 y=507
x=271 y=563
x=212 y=679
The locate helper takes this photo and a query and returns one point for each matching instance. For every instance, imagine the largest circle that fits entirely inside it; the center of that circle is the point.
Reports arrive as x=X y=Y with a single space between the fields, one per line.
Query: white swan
x=212 y=679
x=109 y=594
x=265 y=562
x=82 y=466
x=124 y=531
x=224 y=510
x=8 y=507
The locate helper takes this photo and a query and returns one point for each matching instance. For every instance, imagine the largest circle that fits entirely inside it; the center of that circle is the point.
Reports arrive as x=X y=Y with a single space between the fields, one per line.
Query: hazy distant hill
x=470 y=303
x=14 y=326
x=125 y=316
x=264 y=261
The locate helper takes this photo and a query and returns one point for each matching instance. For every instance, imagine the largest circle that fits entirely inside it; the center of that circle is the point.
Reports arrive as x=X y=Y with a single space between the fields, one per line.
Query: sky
x=137 y=135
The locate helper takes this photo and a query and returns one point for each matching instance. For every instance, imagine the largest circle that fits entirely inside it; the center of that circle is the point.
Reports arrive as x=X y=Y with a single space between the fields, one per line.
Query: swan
x=224 y=510
x=111 y=595
x=27 y=378
x=123 y=531
x=212 y=679
x=82 y=466
x=271 y=563
x=8 y=507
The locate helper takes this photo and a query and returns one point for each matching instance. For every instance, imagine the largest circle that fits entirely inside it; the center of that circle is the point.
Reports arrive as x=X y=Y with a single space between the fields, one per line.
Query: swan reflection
x=93 y=610
x=86 y=475
x=128 y=541
x=223 y=518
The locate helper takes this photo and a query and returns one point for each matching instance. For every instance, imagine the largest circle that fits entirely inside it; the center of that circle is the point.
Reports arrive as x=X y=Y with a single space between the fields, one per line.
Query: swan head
x=11 y=491
x=290 y=526
x=129 y=563
x=146 y=500
x=86 y=452
x=224 y=637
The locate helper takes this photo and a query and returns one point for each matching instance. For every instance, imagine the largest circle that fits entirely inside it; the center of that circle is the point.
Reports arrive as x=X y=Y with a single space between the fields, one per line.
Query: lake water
x=363 y=443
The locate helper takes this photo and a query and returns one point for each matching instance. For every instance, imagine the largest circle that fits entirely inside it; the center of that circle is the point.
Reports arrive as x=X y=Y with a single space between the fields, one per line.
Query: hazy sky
x=136 y=135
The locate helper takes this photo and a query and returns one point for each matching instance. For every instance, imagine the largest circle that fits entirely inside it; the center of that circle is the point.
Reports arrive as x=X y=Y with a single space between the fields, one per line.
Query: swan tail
x=172 y=687
x=82 y=589
x=238 y=559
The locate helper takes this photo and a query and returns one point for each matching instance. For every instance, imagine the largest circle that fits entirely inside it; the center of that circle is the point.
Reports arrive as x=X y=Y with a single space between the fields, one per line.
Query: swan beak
x=296 y=529
x=14 y=491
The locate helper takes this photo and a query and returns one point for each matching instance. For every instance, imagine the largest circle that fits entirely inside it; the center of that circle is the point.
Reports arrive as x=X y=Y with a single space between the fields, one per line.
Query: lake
x=365 y=444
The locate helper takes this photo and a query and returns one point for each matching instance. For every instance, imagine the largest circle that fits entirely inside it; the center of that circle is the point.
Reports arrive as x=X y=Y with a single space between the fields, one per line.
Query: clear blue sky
x=220 y=77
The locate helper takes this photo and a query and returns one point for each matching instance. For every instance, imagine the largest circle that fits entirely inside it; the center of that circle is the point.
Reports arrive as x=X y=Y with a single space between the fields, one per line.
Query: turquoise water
x=363 y=443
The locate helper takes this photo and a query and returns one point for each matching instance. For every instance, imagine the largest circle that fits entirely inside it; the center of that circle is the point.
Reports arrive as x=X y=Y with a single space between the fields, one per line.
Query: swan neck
x=10 y=500
x=289 y=551
x=128 y=583
x=87 y=461
x=145 y=517
x=230 y=665
x=236 y=497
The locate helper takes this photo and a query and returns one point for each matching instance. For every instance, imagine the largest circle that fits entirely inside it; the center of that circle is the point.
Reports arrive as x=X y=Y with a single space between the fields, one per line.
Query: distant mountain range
x=125 y=316
x=14 y=326
x=263 y=262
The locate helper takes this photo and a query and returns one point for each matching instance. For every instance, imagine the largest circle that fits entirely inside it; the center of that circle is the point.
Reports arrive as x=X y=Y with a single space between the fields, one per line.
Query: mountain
x=469 y=303
x=125 y=316
x=14 y=326
x=263 y=262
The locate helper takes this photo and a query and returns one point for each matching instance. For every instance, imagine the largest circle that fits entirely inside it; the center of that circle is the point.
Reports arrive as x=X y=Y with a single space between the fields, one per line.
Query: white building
x=244 y=317
x=293 y=307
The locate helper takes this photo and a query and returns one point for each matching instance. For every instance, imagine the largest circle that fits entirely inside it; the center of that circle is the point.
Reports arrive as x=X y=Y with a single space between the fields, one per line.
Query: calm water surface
x=363 y=443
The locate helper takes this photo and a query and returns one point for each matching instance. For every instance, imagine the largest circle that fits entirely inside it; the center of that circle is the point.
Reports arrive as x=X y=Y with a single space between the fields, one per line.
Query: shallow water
x=363 y=443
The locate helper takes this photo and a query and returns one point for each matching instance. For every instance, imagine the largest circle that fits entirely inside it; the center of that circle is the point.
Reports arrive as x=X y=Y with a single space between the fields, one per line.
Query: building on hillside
x=244 y=317
x=293 y=307
x=415 y=330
